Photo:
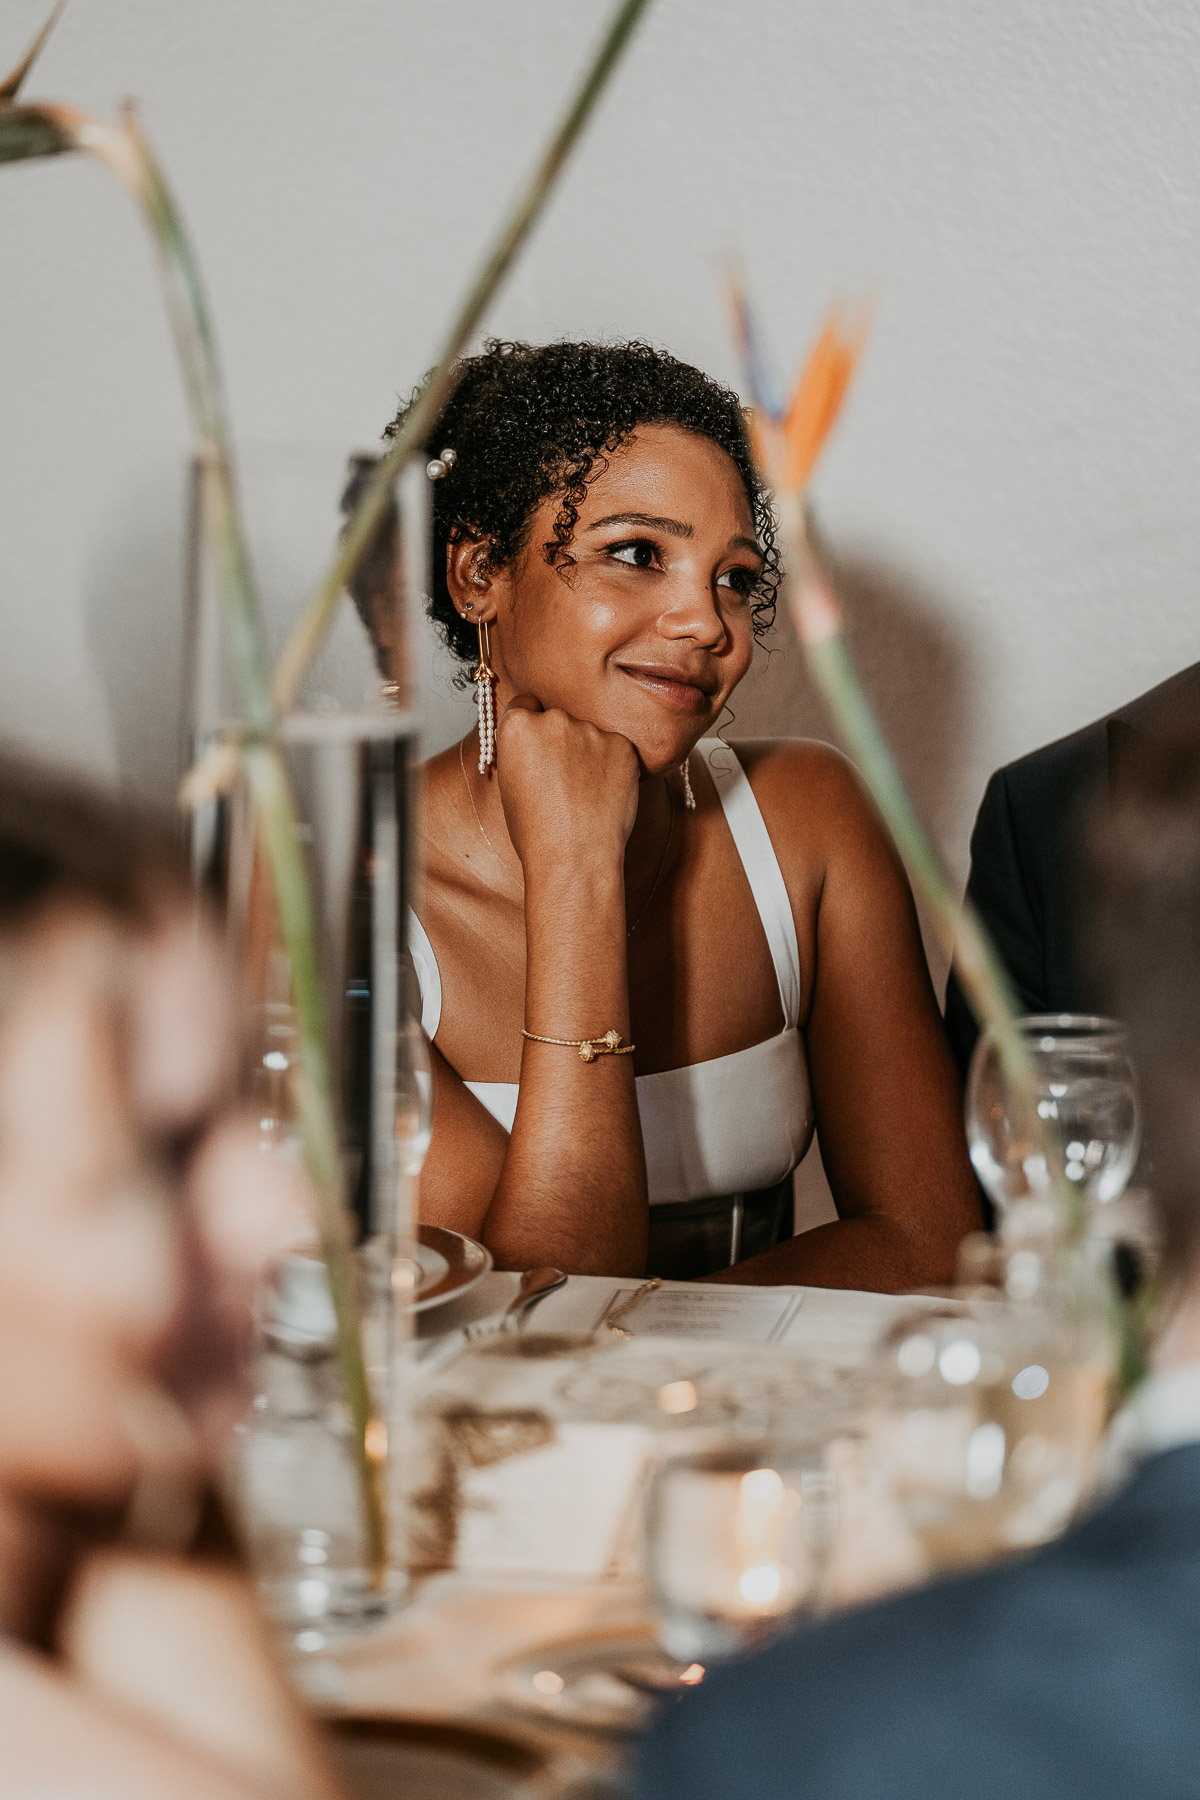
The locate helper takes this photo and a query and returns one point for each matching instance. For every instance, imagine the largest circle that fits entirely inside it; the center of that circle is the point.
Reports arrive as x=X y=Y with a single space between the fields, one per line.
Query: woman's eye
x=640 y=554
x=742 y=581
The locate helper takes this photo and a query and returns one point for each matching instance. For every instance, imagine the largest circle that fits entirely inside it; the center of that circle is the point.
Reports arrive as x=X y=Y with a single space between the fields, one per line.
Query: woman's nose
x=691 y=612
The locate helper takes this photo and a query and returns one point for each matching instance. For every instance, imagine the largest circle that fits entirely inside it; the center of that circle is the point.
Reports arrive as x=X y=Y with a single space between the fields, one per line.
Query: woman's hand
x=569 y=790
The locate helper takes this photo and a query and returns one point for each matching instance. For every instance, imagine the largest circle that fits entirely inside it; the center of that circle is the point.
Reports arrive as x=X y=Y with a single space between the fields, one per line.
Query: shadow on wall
x=914 y=666
x=135 y=607
x=133 y=619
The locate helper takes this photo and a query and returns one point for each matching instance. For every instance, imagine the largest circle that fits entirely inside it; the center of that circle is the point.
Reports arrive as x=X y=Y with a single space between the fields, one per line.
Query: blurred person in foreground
x=1074 y=1672
x=135 y=1211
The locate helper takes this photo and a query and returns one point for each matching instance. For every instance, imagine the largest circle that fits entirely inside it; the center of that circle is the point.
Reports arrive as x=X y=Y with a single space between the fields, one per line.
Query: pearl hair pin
x=441 y=465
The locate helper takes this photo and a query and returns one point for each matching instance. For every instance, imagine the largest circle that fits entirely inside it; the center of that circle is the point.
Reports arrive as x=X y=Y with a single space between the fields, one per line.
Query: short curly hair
x=526 y=421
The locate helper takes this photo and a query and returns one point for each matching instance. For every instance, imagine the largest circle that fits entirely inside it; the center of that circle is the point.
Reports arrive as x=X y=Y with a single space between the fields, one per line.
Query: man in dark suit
x=1024 y=853
x=1074 y=1673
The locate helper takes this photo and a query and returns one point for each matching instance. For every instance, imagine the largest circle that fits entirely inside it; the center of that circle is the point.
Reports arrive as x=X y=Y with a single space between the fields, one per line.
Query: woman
x=134 y=1212
x=650 y=965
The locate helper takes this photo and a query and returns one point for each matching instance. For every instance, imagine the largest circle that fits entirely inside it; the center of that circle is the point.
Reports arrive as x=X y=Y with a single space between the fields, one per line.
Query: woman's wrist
x=566 y=882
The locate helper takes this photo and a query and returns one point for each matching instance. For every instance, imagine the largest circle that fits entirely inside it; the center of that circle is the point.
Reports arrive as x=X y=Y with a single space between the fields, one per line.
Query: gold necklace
x=662 y=860
x=471 y=797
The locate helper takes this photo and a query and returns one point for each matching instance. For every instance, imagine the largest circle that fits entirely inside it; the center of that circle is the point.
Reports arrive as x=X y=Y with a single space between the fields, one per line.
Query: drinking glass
x=1086 y=1097
x=737 y=1536
x=987 y=1420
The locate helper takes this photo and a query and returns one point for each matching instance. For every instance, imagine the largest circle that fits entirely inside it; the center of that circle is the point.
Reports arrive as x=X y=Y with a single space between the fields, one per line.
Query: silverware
x=535 y=1285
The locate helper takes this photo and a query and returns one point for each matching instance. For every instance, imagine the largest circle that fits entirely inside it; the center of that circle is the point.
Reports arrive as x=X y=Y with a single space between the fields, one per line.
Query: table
x=437 y=1657
x=835 y=1321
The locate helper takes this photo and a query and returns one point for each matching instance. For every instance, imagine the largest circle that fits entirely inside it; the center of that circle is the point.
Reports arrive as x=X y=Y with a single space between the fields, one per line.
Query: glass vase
x=348 y=746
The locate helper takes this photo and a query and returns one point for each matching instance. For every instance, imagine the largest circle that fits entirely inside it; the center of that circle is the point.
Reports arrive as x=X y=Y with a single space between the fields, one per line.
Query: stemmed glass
x=987 y=1419
x=1087 y=1101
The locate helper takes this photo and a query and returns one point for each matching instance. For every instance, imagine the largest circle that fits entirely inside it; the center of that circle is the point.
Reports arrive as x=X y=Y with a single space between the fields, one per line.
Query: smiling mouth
x=684 y=692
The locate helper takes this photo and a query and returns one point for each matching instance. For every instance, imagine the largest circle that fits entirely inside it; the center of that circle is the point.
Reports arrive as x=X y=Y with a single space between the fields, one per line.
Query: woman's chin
x=659 y=753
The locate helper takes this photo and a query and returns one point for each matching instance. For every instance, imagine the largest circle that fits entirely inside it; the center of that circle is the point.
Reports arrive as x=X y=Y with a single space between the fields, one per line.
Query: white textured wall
x=1012 y=490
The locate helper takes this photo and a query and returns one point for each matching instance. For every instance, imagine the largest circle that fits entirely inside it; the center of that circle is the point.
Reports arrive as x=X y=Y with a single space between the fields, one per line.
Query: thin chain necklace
x=662 y=860
x=471 y=797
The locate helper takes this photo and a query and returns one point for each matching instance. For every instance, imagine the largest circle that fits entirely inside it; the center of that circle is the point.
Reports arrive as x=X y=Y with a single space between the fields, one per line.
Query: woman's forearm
x=572 y=1191
x=877 y=1254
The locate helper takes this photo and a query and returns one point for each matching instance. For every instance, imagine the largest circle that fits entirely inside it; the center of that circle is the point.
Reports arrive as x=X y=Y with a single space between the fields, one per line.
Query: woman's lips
x=673 y=686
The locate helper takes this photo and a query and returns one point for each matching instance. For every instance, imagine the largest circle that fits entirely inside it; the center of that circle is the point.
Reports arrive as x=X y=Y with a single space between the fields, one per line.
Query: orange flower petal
x=818 y=395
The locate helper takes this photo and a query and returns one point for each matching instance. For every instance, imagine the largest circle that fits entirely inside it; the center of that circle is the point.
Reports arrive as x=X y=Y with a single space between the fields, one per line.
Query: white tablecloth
x=825 y=1319
x=439 y=1656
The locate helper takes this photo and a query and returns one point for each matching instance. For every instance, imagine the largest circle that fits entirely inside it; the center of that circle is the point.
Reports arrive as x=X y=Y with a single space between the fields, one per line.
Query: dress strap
x=753 y=844
x=428 y=975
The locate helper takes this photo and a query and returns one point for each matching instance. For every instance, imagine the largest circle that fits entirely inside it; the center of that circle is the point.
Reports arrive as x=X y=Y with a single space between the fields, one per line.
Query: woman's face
x=650 y=630
x=133 y=1215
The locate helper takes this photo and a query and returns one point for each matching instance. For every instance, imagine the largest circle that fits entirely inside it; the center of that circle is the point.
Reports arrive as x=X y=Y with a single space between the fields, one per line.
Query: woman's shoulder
x=439 y=785
x=810 y=795
x=781 y=767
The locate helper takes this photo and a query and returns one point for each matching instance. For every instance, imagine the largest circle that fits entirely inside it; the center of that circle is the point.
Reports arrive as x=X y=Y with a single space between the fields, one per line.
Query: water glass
x=1087 y=1102
x=737 y=1536
x=987 y=1421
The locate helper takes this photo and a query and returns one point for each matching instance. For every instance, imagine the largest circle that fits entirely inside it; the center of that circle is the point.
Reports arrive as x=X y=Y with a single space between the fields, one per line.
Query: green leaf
x=11 y=86
x=29 y=131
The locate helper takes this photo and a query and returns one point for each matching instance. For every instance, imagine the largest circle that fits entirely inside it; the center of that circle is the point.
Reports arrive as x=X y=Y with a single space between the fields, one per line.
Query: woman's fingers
x=521 y=703
x=569 y=789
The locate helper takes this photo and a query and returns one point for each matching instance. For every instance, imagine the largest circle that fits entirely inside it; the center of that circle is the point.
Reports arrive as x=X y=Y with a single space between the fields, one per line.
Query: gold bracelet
x=589 y=1048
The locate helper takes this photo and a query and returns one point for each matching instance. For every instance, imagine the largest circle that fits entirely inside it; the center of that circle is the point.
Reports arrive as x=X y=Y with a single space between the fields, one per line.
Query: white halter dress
x=721 y=1137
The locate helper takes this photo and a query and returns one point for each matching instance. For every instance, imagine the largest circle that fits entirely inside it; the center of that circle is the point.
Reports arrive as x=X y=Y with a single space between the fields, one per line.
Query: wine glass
x=1087 y=1101
x=987 y=1421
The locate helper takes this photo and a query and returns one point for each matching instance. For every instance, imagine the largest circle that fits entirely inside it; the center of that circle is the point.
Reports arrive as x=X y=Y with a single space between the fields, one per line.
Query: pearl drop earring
x=689 y=799
x=485 y=699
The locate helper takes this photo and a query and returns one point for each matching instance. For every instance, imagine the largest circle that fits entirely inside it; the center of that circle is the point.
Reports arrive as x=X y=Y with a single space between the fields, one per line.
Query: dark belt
x=698 y=1237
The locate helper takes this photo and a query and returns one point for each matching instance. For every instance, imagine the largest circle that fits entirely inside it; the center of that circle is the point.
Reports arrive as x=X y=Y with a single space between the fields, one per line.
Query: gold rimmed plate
x=389 y=1759
x=448 y=1265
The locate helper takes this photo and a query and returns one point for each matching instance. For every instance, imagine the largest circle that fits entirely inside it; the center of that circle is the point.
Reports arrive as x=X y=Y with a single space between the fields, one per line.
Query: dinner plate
x=448 y=1263
x=399 y=1759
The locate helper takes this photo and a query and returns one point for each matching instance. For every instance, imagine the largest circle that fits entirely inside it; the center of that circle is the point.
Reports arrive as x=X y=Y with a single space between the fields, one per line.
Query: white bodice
x=735 y=1123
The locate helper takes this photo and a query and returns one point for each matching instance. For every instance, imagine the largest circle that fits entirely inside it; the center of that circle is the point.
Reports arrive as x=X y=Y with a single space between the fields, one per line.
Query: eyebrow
x=672 y=527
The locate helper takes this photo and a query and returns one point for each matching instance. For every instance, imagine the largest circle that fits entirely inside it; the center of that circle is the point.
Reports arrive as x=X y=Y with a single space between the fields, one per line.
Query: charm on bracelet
x=589 y=1048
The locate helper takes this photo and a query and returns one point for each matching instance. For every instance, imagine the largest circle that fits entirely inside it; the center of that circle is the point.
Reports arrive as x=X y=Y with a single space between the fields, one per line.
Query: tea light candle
x=734 y=1544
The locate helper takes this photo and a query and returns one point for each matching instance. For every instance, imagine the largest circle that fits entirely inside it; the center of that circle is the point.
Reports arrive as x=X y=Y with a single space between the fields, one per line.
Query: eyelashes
x=632 y=551
x=644 y=553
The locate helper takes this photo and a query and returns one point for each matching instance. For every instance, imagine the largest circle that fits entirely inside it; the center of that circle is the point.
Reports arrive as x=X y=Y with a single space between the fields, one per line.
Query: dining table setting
x=603 y=1486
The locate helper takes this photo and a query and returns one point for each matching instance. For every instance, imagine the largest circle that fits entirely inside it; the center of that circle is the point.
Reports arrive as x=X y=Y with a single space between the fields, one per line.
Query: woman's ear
x=469 y=580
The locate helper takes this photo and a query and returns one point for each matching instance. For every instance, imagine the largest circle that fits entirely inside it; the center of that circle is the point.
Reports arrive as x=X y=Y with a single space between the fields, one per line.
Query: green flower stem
x=52 y=130
x=312 y=1089
x=318 y=614
x=966 y=943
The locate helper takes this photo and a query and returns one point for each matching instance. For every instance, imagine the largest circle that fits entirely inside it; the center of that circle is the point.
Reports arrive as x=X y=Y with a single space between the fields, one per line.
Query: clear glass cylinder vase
x=348 y=746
